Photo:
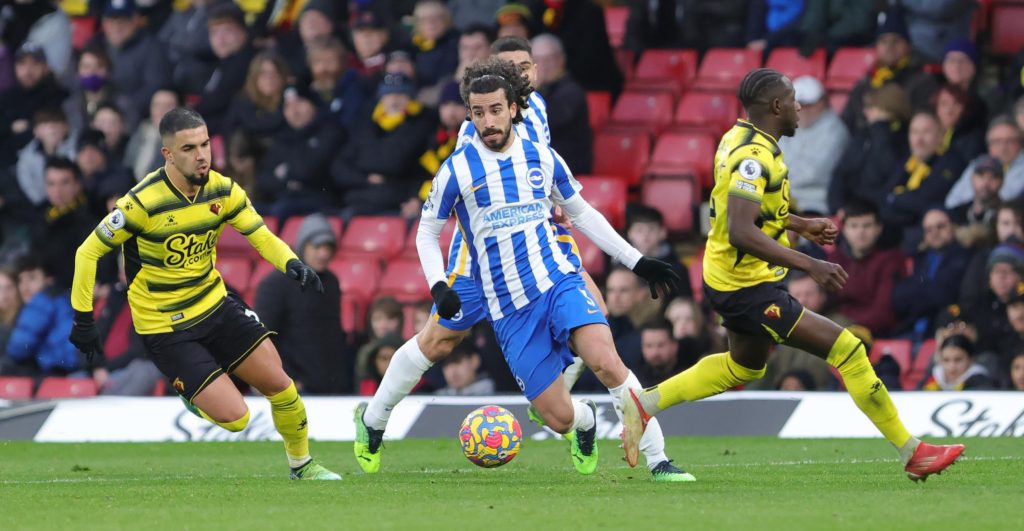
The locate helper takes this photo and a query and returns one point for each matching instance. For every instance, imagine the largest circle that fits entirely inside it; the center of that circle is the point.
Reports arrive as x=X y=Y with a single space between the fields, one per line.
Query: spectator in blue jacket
x=39 y=342
x=934 y=283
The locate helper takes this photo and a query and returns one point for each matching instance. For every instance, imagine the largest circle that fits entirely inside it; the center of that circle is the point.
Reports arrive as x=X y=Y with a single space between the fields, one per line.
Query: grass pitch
x=743 y=483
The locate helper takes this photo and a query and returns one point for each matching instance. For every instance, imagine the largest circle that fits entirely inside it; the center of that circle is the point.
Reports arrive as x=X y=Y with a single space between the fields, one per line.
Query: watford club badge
x=215 y=208
x=773 y=312
x=179 y=385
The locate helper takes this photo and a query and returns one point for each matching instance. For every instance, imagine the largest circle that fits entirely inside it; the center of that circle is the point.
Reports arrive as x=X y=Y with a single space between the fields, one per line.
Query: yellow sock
x=234 y=425
x=849 y=356
x=290 y=420
x=711 y=375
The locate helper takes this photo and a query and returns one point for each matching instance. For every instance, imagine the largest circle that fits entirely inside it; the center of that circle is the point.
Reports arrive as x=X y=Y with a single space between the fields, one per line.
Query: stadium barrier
x=781 y=414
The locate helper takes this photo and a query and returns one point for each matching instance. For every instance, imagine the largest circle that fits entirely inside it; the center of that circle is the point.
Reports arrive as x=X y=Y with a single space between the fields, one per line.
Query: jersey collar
x=177 y=193
x=775 y=145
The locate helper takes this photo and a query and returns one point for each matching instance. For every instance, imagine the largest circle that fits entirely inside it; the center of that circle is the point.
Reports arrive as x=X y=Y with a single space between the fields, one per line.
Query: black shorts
x=765 y=310
x=194 y=357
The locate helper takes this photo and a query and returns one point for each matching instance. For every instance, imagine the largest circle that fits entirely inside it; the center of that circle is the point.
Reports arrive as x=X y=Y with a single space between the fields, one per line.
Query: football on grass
x=490 y=436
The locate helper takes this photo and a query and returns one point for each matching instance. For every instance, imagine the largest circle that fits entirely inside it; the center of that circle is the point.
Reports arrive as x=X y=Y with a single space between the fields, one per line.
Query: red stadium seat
x=615 y=19
x=622 y=154
x=837 y=100
x=899 y=349
x=919 y=368
x=54 y=387
x=714 y=112
x=353 y=314
x=290 y=231
x=724 y=68
x=599 y=107
x=358 y=276
x=82 y=31
x=674 y=198
x=625 y=60
x=848 y=66
x=675 y=69
x=593 y=258
x=1007 y=33
x=793 y=65
x=262 y=270
x=607 y=195
x=382 y=236
x=404 y=280
x=15 y=387
x=651 y=111
x=236 y=272
x=447 y=233
x=677 y=154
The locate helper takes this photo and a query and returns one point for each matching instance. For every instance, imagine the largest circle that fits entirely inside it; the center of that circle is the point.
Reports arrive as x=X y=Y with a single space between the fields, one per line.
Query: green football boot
x=312 y=471
x=583 y=445
x=369 y=442
x=666 y=472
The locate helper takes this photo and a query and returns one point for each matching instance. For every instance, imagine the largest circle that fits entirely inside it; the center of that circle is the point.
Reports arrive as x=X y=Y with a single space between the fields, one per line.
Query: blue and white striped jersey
x=502 y=203
x=534 y=127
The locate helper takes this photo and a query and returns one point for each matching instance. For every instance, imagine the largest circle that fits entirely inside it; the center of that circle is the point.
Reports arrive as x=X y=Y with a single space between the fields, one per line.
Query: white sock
x=406 y=368
x=573 y=372
x=298 y=462
x=583 y=416
x=652 y=444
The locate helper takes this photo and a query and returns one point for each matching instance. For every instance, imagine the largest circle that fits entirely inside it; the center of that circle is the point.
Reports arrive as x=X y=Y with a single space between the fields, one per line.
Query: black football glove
x=657 y=274
x=446 y=299
x=304 y=275
x=86 y=337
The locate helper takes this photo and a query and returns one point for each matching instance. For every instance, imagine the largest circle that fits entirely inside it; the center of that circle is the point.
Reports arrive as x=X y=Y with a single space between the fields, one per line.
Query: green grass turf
x=743 y=483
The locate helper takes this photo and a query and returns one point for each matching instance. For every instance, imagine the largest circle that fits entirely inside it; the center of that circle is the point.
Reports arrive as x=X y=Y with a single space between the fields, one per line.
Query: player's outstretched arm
x=746 y=237
x=84 y=334
x=659 y=275
x=821 y=231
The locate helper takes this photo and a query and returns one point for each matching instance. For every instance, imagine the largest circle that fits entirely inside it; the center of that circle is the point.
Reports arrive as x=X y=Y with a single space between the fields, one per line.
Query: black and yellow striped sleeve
x=126 y=221
x=243 y=217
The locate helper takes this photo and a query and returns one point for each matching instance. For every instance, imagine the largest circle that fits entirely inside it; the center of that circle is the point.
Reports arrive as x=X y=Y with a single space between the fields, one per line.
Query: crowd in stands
x=333 y=115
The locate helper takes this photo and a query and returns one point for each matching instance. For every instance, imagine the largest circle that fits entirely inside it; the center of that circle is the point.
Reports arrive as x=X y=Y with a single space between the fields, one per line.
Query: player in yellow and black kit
x=748 y=256
x=168 y=226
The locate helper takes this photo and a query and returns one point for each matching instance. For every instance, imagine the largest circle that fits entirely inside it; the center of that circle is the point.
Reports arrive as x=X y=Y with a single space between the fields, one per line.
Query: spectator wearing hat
x=568 y=115
x=923 y=179
x=814 y=151
x=514 y=20
x=452 y=114
x=142 y=155
x=932 y=24
x=896 y=64
x=185 y=37
x=308 y=324
x=960 y=69
x=379 y=168
x=139 y=64
x=229 y=40
x=986 y=181
x=370 y=39
x=934 y=282
x=34 y=87
x=873 y=151
x=1003 y=139
x=986 y=310
x=337 y=85
x=42 y=24
x=435 y=42
x=316 y=22
x=293 y=177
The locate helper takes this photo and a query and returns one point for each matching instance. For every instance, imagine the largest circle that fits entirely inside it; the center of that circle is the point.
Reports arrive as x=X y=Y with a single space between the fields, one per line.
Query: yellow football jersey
x=170 y=249
x=748 y=165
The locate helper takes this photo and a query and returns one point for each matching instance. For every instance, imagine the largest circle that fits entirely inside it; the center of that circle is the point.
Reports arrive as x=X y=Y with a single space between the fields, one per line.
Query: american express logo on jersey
x=515 y=215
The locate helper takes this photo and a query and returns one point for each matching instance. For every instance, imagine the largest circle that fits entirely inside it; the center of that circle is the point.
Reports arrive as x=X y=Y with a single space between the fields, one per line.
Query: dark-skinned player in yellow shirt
x=196 y=333
x=747 y=257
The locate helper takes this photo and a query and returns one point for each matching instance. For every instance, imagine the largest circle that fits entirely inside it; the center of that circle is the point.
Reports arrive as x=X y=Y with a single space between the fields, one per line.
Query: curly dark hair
x=493 y=74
